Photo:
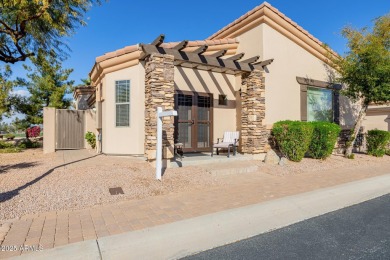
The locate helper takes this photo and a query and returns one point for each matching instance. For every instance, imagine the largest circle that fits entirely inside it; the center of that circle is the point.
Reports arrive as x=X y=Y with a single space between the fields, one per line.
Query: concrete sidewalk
x=182 y=238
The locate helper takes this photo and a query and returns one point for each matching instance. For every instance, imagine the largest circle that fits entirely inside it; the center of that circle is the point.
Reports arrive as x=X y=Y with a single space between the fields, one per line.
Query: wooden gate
x=69 y=129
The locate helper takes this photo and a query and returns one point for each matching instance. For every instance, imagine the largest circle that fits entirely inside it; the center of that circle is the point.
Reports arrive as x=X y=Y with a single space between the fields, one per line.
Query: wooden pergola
x=196 y=58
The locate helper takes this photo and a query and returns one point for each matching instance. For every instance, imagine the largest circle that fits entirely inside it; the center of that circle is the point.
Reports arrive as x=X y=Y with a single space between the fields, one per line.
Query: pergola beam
x=262 y=63
x=159 y=40
x=196 y=59
x=218 y=54
x=181 y=45
x=236 y=57
x=200 y=49
x=251 y=60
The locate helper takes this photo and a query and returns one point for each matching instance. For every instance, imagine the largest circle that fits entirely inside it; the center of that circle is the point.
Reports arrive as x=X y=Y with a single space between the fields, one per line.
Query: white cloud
x=21 y=92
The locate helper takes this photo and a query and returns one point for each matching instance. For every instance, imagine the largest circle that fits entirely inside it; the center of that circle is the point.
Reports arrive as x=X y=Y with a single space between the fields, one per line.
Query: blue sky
x=119 y=23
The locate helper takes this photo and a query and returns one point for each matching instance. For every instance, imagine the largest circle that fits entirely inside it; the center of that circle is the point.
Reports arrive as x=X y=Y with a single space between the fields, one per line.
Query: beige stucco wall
x=290 y=61
x=282 y=88
x=251 y=43
x=49 y=130
x=124 y=140
x=187 y=79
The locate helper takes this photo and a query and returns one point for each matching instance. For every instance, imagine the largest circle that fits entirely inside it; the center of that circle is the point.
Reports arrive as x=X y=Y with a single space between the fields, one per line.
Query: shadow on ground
x=5 y=168
x=4 y=196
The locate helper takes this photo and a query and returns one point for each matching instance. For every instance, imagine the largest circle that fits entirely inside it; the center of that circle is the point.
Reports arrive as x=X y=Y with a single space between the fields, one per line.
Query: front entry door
x=193 y=125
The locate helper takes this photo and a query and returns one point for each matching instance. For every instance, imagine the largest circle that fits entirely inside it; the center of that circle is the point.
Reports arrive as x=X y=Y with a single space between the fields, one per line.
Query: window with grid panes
x=122 y=102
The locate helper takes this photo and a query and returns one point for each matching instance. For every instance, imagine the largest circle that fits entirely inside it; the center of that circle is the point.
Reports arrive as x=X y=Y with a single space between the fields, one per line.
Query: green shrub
x=27 y=143
x=388 y=152
x=377 y=142
x=91 y=139
x=11 y=150
x=293 y=138
x=10 y=136
x=323 y=140
x=5 y=145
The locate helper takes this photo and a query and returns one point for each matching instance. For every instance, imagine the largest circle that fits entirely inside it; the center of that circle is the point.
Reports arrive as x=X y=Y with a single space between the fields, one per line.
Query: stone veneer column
x=159 y=92
x=254 y=135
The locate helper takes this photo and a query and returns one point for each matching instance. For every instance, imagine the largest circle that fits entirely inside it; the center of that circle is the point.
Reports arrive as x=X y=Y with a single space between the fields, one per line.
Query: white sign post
x=160 y=115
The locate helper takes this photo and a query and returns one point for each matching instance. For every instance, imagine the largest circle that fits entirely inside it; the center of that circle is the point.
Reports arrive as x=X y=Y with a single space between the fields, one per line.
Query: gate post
x=49 y=130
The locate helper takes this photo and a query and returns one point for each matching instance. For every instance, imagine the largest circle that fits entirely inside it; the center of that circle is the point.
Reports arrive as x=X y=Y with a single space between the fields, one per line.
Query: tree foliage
x=48 y=83
x=29 y=25
x=365 y=69
x=86 y=81
x=5 y=88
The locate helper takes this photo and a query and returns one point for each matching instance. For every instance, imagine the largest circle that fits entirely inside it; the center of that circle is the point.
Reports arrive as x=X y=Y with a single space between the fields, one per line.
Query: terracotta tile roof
x=113 y=54
x=133 y=48
x=276 y=11
x=203 y=42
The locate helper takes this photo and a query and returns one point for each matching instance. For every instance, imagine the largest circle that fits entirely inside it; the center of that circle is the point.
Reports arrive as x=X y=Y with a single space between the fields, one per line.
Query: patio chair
x=229 y=140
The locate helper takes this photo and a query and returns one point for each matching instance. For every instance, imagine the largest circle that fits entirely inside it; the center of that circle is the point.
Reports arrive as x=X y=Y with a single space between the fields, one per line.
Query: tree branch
x=36 y=16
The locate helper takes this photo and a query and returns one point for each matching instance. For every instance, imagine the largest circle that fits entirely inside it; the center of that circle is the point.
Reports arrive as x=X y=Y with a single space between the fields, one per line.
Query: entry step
x=236 y=167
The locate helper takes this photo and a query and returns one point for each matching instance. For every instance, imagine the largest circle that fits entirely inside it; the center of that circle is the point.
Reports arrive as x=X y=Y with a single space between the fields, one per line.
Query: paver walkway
x=60 y=228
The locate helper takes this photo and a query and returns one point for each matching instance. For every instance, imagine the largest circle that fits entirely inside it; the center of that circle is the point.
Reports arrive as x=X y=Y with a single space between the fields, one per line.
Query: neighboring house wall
x=81 y=102
x=378 y=117
x=124 y=140
x=380 y=122
x=187 y=79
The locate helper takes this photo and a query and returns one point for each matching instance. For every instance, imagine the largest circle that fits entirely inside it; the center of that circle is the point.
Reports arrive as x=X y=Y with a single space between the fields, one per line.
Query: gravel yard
x=31 y=182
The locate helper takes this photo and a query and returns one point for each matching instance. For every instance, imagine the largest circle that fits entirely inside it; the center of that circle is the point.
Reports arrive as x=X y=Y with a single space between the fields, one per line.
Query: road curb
x=186 y=237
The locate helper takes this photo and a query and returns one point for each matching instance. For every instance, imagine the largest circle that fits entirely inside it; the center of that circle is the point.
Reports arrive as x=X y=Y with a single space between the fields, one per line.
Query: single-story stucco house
x=261 y=68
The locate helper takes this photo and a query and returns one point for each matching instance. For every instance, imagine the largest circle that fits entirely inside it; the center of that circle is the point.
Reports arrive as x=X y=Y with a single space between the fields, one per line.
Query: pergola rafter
x=210 y=62
x=159 y=40
x=251 y=60
x=200 y=49
x=181 y=45
x=263 y=63
x=218 y=54
x=236 y=57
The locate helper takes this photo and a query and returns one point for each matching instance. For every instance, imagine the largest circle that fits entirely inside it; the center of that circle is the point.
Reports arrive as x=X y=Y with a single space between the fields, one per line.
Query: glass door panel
x=193 y=125
x=185 y=120
x=203 y=121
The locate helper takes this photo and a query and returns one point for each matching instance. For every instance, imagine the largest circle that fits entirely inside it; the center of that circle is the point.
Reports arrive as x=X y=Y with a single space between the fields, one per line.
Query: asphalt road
x=358 y=232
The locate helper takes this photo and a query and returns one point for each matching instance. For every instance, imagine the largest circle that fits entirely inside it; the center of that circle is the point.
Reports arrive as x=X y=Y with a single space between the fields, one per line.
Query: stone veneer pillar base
x=254 y=135
x=159 y=92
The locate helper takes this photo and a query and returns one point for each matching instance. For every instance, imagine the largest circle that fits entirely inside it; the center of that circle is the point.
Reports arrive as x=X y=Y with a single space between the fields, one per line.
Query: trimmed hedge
x=323 y=140
x=293 y=138
x=377 y=142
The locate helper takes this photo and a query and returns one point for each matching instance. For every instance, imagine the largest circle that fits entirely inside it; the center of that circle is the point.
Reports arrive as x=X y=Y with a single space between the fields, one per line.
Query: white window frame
x=122 y=103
